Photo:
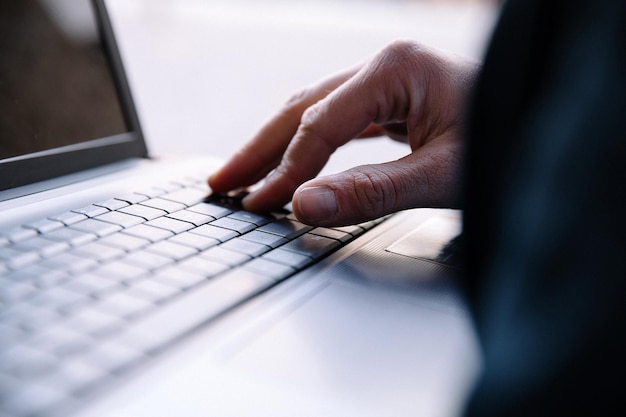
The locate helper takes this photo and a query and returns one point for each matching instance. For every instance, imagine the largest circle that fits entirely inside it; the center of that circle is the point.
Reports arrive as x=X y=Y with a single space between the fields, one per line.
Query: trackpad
x=429 y=240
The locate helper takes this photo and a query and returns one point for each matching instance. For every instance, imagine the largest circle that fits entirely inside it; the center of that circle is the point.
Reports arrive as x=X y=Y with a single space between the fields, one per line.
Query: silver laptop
x=128 y=289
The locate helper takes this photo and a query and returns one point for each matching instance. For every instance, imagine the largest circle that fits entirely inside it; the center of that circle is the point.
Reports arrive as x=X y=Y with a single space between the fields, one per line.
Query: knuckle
x=410 y=59
x=310 y=116
x=297 y=104
x=375 y=192
x=402 y=46
x=298 y=97
x=310 y=128
x=400 y=72
x=400 y=52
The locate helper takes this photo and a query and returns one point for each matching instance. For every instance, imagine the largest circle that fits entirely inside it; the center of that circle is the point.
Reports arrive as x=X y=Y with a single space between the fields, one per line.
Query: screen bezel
x=38 y=166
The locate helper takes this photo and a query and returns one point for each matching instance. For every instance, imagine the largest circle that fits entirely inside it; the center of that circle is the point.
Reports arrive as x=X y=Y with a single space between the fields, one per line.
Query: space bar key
x=192 y=311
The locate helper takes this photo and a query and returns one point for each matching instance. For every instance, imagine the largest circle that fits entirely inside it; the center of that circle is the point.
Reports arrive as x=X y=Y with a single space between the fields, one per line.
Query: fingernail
x=316 y=203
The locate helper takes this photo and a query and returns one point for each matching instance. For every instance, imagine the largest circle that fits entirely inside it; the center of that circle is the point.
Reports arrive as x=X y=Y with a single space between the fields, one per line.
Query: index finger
x=264 y=152
x=341 y=116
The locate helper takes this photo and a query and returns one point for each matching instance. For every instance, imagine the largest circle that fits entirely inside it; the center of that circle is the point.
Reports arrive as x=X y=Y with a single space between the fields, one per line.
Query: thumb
x=422 y=179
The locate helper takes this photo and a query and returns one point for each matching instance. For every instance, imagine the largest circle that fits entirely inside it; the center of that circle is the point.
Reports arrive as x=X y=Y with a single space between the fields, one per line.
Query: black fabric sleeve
x=544 y=221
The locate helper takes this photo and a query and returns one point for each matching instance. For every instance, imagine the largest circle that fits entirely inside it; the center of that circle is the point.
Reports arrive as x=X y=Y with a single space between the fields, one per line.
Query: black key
x=268 y=239
x=214 y=232
x=353 y=230
x=286 y=228
x=254 y=218
x=233 y=224
x=331 y=233
x=311 y=245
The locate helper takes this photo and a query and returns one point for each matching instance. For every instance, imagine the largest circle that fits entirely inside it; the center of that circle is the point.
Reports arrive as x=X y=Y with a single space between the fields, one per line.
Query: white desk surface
x=206 y=73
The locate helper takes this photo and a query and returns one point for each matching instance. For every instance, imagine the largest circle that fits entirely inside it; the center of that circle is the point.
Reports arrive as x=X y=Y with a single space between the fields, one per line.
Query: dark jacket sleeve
x=544 y=227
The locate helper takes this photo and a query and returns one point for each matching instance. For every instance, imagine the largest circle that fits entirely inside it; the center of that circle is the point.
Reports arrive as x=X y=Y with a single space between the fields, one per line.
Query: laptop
x=127 y=288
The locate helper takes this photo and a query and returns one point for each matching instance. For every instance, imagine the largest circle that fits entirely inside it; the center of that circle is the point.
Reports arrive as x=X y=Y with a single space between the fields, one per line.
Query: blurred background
x=207 y=73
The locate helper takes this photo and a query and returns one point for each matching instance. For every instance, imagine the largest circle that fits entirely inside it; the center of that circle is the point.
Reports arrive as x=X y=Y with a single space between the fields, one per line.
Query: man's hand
x=410 y=92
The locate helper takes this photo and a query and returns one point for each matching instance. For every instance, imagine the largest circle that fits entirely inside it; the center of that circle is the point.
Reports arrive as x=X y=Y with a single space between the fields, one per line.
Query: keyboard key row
x=166 y=252
x=98 y=221
x=213 y=259
x=102 y=342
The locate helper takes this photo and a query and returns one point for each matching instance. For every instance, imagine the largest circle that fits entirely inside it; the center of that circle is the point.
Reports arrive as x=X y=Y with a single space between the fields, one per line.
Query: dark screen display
x=56 y=87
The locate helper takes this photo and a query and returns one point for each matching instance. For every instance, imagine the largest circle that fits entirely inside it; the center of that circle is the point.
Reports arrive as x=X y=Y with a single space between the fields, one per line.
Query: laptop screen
x=64 y=101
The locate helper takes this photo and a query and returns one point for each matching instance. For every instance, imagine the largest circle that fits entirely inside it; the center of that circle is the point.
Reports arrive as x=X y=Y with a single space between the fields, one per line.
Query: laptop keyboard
x=89 y=294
